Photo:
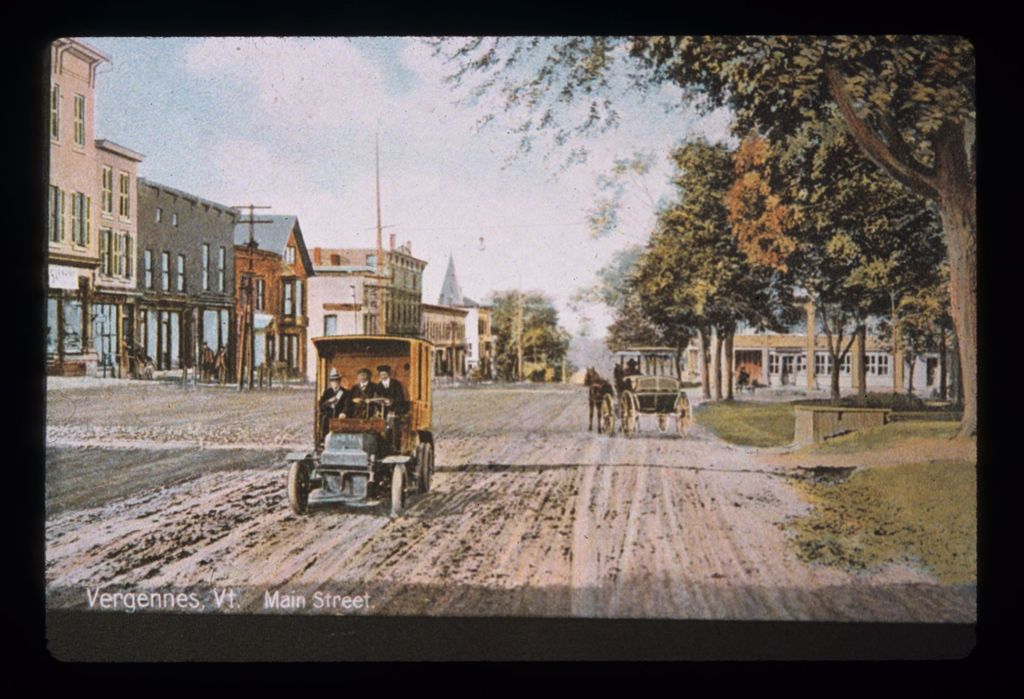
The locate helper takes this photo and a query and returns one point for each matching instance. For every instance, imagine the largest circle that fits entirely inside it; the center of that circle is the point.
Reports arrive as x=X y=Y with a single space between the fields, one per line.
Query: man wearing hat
x=333 y=400
x=391 y=391
x=358 y=394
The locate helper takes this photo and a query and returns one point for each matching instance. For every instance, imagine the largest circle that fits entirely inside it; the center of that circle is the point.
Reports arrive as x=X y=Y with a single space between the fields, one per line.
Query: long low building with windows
x=783 y=360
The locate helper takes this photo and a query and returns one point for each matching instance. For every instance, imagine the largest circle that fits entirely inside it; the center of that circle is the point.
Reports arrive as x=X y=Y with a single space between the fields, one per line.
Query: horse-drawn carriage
x=375 y=457
x=646 y=382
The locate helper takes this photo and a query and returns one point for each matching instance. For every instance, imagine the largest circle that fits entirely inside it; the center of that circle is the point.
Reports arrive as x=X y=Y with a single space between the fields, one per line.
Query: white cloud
x=304 y=83
x=319 y=102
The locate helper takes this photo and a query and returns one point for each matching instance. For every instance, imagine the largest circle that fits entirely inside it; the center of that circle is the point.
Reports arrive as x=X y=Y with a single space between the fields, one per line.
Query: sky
x=291 y=123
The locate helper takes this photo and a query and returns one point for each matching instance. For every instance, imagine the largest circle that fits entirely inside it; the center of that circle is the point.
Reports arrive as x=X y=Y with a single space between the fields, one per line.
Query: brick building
x=445 y=326
x=279 y=269
x=185 y=274
x=91 y=226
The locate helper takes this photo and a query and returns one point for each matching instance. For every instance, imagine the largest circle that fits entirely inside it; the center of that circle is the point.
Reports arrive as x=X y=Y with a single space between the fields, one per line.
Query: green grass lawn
x=919 y=513
x=885 y=437
x=748 y=423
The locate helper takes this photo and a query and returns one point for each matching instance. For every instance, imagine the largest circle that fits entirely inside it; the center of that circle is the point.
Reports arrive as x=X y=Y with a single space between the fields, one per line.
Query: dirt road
x=528 y=515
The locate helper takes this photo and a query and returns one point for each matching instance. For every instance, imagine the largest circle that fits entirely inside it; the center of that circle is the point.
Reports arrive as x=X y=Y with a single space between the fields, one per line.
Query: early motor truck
x=380 y=454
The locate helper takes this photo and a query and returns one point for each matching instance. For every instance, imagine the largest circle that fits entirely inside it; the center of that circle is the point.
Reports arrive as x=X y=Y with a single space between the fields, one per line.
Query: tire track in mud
x=529 y=515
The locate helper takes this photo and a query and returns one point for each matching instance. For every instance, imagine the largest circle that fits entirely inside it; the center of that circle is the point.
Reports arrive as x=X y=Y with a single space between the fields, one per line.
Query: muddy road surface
x=529 y=514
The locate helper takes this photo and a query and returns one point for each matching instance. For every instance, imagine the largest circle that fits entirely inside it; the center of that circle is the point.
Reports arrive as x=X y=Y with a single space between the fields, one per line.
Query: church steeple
x=451 y=294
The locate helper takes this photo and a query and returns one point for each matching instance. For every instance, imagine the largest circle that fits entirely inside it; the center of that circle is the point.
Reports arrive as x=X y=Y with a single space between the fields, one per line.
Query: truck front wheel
x=298 y=487
x=397 y=491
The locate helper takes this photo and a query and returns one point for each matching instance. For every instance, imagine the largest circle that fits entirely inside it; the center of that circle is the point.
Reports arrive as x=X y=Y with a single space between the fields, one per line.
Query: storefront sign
x=63 y=277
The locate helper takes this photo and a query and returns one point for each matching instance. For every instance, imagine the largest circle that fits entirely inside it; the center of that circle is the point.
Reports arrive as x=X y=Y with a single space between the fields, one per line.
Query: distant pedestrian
x=744 y=378
x=206 y=362
x=220 y=365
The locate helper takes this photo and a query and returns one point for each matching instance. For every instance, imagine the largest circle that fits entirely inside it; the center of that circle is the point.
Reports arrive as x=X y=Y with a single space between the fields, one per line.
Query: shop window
x=52 y=324
x=72 y=326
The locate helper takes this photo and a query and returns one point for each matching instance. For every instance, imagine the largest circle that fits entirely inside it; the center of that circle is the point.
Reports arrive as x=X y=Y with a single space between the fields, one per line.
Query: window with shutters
x=124 y=195
x=107 y=184
x=55 y=112
x=106 y=267
x=80 y=120
x=55 y=221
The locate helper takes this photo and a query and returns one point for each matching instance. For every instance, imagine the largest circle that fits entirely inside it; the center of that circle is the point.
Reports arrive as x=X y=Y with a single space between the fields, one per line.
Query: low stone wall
x=817 y=423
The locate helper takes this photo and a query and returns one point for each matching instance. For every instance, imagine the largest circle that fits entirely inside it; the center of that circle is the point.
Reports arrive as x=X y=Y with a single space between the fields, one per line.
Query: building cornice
x=110 y=146
x=143 y=182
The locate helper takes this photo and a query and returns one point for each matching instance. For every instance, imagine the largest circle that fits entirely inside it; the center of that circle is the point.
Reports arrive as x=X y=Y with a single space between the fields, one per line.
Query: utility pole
x=519 y=335
x=246 y=331
x=381 y=329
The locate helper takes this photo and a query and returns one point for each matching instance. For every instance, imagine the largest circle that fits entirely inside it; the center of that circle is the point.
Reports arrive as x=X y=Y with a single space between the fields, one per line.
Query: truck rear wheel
x=397 y=491
x=425 y=466
x=298 y=487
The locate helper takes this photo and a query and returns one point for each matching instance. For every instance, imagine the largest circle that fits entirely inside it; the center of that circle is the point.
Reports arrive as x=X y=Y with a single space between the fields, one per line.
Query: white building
x=780 y=360
x=336 y=299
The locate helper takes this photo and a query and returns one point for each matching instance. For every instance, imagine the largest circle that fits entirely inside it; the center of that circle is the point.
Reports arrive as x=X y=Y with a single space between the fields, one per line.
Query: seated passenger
x=391 y=391
x=359 y=393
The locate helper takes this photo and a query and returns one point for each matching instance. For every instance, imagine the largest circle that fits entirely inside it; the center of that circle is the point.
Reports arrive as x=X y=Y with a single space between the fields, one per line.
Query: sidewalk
x=58 y=383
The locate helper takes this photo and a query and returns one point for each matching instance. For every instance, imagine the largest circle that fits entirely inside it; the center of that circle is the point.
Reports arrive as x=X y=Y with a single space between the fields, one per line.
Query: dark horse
x=599 y=388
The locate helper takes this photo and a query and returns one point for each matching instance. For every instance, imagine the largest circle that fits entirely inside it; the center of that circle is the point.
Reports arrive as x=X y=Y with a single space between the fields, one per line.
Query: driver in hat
x=333 y=400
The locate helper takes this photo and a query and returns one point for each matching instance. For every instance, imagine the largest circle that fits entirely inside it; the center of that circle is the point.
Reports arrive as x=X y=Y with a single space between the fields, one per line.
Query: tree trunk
x=728 y=366
x=960 y=225
x=961 y=230
x=955 y=387
x=834 y=378
x=942 y=363
x=951 y=184
x=705 y=374
x=896 y=354
x=716 y=365
x=910 y=379
x=862 y=363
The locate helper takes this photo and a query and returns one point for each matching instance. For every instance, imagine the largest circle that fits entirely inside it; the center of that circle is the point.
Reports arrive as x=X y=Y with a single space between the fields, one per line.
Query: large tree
x=692 y=277
x=818 y=211
x=907 y=101
x=543 y=341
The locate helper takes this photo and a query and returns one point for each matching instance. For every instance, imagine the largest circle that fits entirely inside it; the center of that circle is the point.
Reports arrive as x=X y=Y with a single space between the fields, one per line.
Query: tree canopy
x=906 y=102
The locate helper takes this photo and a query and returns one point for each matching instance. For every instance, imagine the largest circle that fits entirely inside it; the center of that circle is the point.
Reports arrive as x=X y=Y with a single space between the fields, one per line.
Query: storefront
x=68 y=348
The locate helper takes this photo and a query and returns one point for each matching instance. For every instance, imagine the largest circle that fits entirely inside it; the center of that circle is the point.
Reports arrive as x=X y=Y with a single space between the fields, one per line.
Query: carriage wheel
x=298 y=487
x=607 y=416
x=397 y=491
x=630 y=415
